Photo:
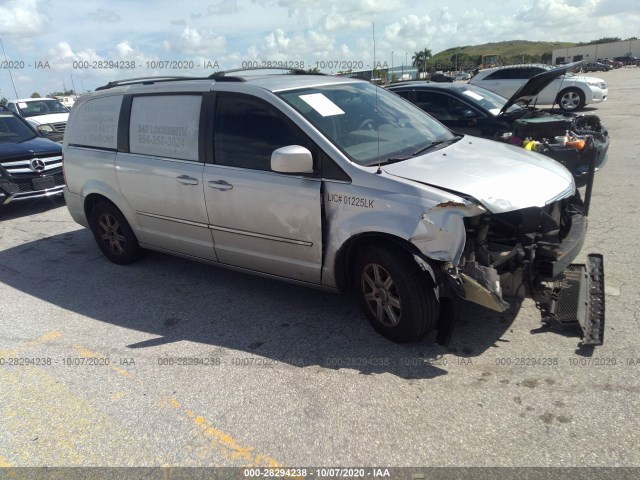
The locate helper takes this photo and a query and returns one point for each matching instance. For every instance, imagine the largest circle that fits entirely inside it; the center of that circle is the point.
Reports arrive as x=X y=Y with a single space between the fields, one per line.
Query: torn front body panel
x=352 y=211
x=474 y=245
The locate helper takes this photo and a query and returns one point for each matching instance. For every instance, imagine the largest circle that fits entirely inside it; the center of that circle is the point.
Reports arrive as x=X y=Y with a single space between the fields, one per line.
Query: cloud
x=616 y=7
x=550 y=13
x=21 y=18
x=104 y=16
x=223 y=7
x=196 y=42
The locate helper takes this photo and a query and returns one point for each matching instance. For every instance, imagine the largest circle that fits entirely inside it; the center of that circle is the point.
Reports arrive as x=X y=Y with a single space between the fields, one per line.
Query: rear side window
x=95 y=123
x=165 y=126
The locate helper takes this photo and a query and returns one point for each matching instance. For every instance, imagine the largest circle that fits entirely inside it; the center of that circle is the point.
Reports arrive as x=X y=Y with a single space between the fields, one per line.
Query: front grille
x=25 y=187
x=59 y=127
x=22 y=169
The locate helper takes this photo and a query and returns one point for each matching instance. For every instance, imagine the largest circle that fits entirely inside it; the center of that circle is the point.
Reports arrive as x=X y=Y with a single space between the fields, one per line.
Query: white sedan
x=571 y=92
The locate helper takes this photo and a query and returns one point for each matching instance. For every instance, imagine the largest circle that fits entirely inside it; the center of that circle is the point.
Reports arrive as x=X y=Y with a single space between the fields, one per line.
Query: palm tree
x=420 y=59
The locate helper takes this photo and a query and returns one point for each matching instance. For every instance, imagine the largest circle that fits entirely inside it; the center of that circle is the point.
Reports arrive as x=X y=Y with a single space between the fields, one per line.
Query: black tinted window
x=402 y=93
x=13 y=129
x=248 y=130
x=443 y=107
x=517 y=73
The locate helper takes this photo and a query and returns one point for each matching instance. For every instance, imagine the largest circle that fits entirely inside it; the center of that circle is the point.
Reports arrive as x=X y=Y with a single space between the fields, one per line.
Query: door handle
x=186 y=180
x=221 y=185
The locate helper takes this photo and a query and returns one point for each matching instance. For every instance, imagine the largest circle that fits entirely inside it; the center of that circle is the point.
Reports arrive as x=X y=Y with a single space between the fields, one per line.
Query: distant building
x=592 y=53
x=396 y=73
x=67 y=100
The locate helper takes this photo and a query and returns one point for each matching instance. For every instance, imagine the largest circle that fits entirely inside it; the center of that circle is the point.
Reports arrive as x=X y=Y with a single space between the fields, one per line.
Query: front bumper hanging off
x=577 y=299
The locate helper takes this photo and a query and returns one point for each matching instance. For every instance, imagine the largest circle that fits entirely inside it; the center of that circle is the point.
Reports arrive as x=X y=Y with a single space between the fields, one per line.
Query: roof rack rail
x=295 y=71
x=220 y=76
x=146 y=80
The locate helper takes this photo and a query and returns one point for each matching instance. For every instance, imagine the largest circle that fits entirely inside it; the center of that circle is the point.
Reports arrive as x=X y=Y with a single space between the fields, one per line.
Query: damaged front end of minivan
x=521 y=253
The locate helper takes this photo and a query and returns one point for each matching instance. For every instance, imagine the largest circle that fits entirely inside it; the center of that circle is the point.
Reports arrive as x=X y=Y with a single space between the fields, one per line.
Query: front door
x=261 y=220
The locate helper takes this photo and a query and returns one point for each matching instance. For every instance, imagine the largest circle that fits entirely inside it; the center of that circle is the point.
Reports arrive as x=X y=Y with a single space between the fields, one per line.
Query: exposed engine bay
x=574 y=141
x=509 y=254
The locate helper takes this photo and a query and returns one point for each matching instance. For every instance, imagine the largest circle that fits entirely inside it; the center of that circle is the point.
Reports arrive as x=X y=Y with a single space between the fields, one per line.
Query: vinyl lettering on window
x=165 y=126
x=95 y=123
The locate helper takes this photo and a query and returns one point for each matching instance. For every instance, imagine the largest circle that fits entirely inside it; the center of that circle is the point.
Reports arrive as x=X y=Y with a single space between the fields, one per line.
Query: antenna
x=10 y=75
x=379 y=171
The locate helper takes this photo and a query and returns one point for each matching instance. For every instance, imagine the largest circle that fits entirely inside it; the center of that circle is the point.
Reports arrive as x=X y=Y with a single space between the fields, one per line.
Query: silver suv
x=327 y=182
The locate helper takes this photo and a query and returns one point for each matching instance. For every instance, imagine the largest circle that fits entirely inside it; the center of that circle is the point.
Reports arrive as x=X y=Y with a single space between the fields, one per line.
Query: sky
x=52 y=45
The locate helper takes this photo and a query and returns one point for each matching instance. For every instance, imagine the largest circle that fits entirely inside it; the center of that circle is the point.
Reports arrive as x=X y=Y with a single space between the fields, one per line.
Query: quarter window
x=97 y=123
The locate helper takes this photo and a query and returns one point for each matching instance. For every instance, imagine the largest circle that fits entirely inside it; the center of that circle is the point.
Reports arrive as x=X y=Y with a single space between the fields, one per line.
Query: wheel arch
x=99 y=191
x=345 y=257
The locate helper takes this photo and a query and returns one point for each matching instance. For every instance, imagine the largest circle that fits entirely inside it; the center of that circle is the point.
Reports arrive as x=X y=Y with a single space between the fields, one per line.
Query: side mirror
x=468 y=114
x=292 y=159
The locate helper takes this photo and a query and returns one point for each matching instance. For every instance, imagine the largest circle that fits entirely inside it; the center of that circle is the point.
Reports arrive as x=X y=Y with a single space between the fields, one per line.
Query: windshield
x=13 y=130
x=41 y=107
x=487 y=99
x=367 y=123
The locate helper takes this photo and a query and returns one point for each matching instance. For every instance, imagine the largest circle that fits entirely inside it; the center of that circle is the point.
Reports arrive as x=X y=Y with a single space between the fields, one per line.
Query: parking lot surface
x=168 y=362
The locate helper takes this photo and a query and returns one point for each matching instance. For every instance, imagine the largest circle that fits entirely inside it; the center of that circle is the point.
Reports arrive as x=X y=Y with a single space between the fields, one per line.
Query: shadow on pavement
x=25 y=208
x=173 y=299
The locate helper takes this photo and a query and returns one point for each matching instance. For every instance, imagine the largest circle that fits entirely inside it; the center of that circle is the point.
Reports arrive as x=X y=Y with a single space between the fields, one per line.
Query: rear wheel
x=114 y=235
x=396 y=296
x=571 y=99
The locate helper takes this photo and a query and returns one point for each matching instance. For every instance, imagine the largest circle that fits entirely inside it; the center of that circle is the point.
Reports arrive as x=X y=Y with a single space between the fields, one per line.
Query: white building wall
x=603 y=50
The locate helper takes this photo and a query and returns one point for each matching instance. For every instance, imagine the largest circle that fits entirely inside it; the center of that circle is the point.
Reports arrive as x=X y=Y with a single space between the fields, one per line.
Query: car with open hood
x=575 y=140
x=545 y=84
x=333 y=183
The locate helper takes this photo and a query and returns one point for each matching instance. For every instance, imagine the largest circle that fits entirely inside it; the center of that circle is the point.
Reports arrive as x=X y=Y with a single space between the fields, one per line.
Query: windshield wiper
x=437 y=143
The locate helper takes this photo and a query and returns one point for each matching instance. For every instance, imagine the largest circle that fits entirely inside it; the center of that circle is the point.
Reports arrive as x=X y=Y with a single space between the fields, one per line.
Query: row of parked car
x=497 y=104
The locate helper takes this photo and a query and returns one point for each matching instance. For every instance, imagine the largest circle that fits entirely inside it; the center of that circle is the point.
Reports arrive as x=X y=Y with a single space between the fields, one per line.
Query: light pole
x=406 y=55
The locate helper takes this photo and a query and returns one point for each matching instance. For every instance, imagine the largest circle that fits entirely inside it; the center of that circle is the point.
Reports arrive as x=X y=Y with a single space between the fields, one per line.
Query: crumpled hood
x=537 y=83
x=500 y=176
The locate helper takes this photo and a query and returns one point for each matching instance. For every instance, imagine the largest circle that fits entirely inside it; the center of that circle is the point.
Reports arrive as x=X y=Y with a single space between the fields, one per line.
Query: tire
x=114 y=236
x=382 y=275
x=570 y=99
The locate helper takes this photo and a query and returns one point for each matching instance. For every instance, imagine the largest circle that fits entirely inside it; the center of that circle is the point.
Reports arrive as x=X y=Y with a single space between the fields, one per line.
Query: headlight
x=594 y=83
x=45 y=128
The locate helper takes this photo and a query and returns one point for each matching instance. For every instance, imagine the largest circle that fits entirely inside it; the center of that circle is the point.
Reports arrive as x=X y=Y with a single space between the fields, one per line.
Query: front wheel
x=113 y=234
x=396 y=296
x=571 y=99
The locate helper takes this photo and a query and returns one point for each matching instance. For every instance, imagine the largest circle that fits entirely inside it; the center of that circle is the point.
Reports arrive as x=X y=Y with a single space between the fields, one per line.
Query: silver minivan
x=329 y=182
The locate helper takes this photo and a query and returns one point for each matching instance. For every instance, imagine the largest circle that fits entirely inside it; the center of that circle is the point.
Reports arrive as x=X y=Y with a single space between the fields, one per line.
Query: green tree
x=62 y=94
x=35 y=95
x=420 y=59
x=3 y=101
